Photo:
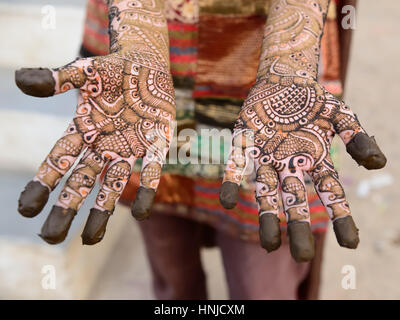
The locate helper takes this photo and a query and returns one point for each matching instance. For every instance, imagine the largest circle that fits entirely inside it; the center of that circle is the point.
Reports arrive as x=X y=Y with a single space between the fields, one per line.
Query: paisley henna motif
x=287 y=124
x=126 y=107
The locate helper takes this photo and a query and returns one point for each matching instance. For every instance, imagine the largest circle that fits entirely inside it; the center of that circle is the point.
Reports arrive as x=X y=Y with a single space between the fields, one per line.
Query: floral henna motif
x=291 y=44
x=126 y=107
x=286 y=127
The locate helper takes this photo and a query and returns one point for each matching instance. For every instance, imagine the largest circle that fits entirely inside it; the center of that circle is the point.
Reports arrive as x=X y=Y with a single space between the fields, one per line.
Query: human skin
x=126 y=107
x=286 y=126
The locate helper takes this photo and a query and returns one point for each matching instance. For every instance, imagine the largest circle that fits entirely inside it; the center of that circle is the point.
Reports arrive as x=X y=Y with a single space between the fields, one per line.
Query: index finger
x=242 y=141
x=361 y=147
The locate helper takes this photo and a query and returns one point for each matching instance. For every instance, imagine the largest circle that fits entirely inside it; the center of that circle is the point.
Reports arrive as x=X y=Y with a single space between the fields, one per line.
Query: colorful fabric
x=227 y=65
x=198 y=199
x=95 y=35
x=330 y=61
x=183 y=52
x=207 y=39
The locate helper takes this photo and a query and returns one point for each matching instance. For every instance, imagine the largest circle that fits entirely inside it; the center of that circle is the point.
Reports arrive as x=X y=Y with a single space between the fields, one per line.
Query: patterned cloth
x=214 y=51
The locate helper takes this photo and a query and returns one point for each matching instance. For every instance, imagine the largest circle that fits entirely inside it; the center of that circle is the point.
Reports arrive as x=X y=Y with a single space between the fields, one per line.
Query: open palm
x=125 y=109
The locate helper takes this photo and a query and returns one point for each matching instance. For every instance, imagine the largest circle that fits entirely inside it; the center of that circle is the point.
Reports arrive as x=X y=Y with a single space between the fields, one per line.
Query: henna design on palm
x=126 y=107
x=286 y=127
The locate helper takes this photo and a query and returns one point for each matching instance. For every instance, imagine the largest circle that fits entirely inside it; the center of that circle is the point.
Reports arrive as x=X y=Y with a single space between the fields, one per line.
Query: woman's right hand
x=126 y=109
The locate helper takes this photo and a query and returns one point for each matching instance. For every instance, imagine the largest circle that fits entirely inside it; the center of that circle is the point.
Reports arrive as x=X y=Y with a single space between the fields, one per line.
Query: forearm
x=140 y=28
x=291 y=43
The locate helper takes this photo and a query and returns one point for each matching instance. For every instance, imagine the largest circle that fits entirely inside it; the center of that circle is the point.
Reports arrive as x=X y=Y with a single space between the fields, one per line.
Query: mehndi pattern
x=286 y=126
x=126 y=109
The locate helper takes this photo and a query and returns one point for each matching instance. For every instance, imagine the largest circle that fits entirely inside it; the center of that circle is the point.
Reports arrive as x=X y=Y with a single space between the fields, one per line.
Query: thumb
x=37 y=82
x=361 y=147
x=45 y=82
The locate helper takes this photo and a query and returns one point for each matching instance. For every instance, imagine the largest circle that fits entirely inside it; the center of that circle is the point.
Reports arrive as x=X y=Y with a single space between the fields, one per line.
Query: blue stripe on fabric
x=178 y=50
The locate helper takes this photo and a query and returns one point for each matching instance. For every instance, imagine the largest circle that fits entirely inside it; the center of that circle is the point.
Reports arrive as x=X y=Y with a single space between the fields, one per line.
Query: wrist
x=285 y=80
x=139 y=28
x=291 y=43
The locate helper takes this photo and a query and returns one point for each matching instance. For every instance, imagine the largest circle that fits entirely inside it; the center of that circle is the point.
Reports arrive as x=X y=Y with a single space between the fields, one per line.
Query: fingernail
x=228 y=196
x=95 y=227
x=364 y=150
x=301 y=239
x=35 y=82
x=57 y=224
x=346 y=232
x=270 y=232
x=143 y=202
x=33 y=199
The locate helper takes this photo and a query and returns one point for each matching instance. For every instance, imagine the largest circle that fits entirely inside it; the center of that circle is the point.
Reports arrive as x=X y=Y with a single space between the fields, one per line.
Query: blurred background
x=117 y=268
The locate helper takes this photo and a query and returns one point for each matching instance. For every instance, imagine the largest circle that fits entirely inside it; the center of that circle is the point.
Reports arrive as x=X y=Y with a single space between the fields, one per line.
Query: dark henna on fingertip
x=37 y=82
x=126 y=111
x=286 y=125
x=346 y=232
x=365 y=151
x=142 y=205
x=228 y=196
x=95 y=227
x=33 y=199
x=302 y=244
x=57 y=224
x=270 y=232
